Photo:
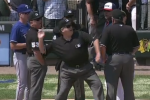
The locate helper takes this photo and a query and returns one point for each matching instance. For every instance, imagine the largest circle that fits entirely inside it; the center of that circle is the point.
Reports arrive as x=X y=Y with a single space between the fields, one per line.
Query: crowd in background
x=53 y=10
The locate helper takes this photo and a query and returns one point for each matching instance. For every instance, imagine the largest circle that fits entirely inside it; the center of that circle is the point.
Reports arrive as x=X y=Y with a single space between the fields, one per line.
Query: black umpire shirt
x=119 y=38
x=73 y=52
x=32 y=41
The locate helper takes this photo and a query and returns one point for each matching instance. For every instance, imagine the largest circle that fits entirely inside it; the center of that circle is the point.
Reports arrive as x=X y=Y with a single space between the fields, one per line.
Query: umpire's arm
x=104 y=42
x=91 y=40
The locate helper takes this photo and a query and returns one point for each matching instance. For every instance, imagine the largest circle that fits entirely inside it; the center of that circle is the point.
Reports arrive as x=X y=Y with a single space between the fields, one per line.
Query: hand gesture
x=97 y=58
x=41 y=34
x=128 y=7
x=92 y=22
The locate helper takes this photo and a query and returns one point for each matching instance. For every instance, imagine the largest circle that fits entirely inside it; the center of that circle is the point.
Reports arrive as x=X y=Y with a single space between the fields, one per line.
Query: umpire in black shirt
x=35 y=61
x=78 y=84
x=72 y=48
x=119 y=42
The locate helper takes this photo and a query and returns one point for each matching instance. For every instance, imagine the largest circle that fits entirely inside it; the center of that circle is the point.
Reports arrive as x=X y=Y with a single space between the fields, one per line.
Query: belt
x=121 y=53
x=77 y=66
x=31 y=55
x=21 y=52
x=144 y=4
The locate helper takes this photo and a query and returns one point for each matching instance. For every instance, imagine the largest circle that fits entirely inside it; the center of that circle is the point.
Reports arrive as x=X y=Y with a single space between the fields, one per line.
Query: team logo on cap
x=69 y=11
x=106 y=6
x=66 y=20
x=26 y=6
x=36 y=14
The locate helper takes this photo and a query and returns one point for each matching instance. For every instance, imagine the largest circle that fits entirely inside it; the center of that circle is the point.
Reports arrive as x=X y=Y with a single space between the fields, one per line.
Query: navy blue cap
x=23 y=8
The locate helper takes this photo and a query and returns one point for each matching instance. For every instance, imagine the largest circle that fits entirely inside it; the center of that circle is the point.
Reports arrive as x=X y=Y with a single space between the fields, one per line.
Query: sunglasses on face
x=68 y=26
x=38 y=19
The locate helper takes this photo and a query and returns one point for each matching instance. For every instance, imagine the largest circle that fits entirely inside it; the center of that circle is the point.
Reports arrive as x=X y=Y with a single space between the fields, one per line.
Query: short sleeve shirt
x=72 y=52
x=32 y=40
x=119 y=38
x=18 y=33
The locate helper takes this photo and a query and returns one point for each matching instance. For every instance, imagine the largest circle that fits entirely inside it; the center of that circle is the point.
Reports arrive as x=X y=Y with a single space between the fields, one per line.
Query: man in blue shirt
x=18 y=44
x=108 y=7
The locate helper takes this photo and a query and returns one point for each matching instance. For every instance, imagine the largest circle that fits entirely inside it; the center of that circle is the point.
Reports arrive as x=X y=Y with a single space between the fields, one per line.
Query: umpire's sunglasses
x=68 y=26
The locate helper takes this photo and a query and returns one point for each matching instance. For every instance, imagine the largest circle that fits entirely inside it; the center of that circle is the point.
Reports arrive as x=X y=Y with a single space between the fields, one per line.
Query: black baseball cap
x=69 y=13
x=117 y=14
x=123 y=13
x=64 y=23
x=34 y=15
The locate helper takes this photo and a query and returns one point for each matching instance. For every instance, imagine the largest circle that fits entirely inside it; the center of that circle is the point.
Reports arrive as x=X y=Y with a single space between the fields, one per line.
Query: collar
x=108 y=22
x=119 y=23
x=73 y=35
x=34 y=29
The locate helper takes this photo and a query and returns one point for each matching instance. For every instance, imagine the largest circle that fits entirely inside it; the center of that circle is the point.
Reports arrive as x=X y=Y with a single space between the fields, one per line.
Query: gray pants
x=69 y=75
x=20 y=63
x=144 y=10
x=78 y=86
x=119 y=65
x=37 y=75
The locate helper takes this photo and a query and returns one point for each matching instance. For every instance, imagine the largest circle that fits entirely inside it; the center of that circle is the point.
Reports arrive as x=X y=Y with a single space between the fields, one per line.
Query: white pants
x=133 y=17
x=120 y=91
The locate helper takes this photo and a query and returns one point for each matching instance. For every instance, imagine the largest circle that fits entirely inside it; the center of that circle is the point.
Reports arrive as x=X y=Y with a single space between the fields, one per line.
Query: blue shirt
x=107 y=23
x=18 y=34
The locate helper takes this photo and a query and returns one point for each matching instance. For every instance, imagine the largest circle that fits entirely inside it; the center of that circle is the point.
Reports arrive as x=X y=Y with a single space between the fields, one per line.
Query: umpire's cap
x=123 y=13
x=34 y=15
x=64 y=23
x=117 y=14
x=69 y=13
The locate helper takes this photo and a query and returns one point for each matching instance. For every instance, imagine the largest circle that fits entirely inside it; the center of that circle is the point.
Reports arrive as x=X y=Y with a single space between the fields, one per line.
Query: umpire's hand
x=97 y=58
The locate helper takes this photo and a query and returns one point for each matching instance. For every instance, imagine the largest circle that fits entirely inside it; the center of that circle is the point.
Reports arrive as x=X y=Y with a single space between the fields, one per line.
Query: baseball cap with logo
x=34 y=15
x=23 y=8
x=117 y=14
x=64 y=23
x=109 y=6
x=69 y=13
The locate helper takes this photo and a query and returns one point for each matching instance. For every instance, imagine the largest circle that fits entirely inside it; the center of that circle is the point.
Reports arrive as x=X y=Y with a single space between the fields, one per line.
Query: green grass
x=8 y=90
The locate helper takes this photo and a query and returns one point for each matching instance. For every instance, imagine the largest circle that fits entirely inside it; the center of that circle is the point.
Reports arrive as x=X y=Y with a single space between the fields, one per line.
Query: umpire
x=119 y=42
x=79 y=84
x=72 y=48
x=35 y=62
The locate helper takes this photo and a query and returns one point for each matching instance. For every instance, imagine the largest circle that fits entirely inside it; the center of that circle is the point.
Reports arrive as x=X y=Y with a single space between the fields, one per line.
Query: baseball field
x=8 y=84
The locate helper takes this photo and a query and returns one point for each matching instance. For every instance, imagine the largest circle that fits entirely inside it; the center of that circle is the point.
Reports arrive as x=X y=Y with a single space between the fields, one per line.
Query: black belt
x=122 y=53
x=31 y=55
x=77 y=66
x=21 y=52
